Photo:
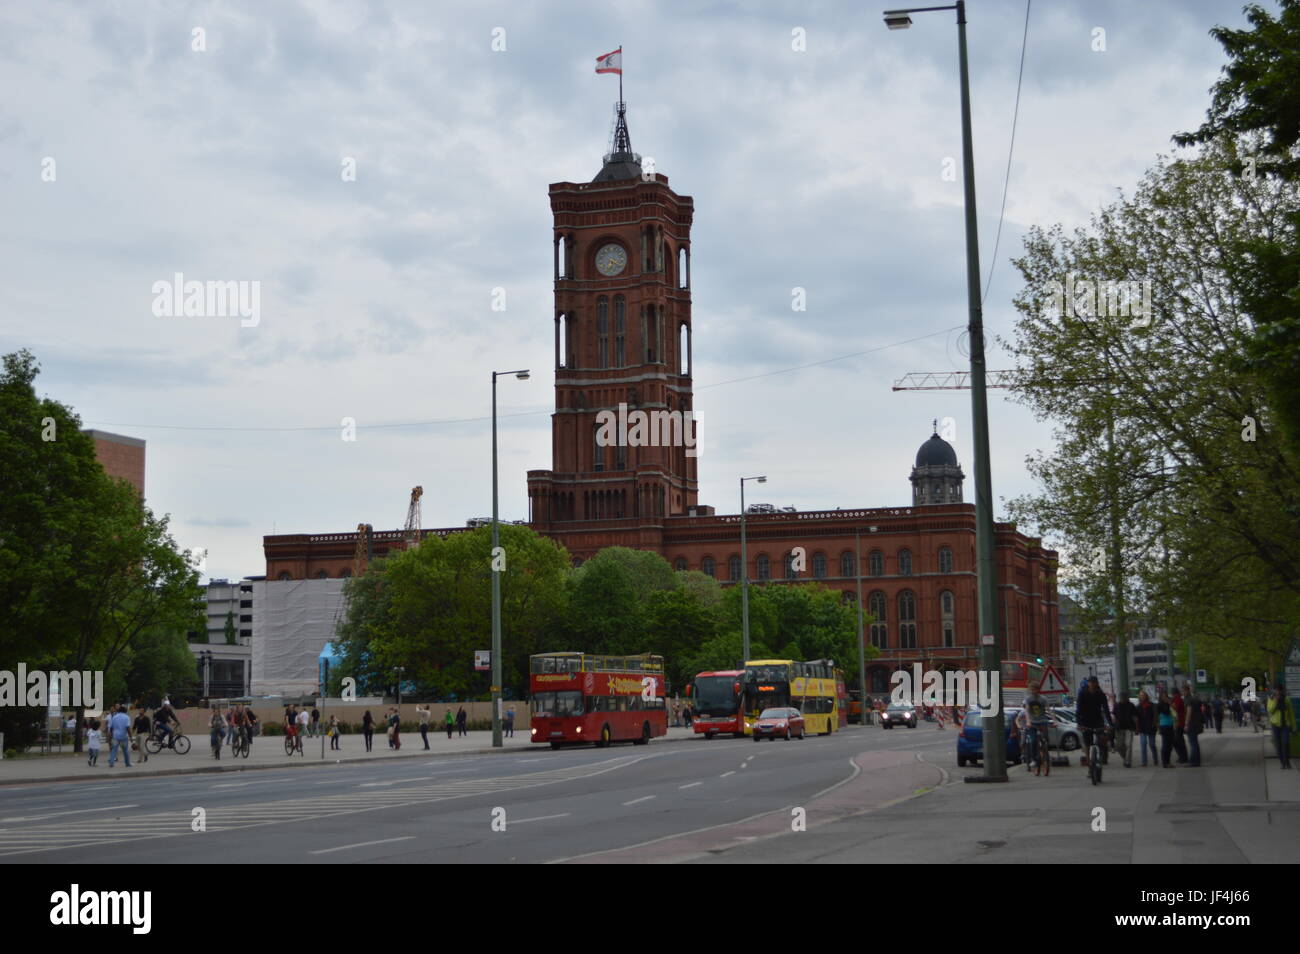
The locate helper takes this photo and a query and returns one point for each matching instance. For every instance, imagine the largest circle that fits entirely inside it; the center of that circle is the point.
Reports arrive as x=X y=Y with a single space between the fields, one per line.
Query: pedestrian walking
x=688 y=715
x=1281 y=720
x=119 y=736
x=1256 y=715
x=1195 y=724
x=395 y=728
x=461 y=719
x=1165 y=722
x=1146 y=716
x=510 y=722
x=1218 y=714
x=422 y=712
x=1179 y=707
x=368 y=729
x=333 y=732
x=451 y=722
x=304 y=723
x=315 y=722
x=141 y=728
x=1126 y=723
x=216 y=731
x=94 y=740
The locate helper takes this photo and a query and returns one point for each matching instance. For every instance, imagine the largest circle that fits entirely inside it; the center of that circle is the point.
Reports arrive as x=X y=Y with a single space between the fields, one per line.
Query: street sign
x=482 y=660
x=1200 y=675
x=1293 y=669
x=986 y=639
x=1053 y=684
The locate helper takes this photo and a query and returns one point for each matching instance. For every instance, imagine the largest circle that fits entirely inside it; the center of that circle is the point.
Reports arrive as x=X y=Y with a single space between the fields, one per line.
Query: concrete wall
x=194 y=721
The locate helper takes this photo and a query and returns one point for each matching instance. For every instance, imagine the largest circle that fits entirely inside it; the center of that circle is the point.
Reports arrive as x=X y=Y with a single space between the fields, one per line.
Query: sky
x=216 y=140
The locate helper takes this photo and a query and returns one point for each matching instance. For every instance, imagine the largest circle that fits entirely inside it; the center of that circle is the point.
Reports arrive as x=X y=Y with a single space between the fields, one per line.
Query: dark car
x=785 y=722
x=899 y=713
x=970 y=740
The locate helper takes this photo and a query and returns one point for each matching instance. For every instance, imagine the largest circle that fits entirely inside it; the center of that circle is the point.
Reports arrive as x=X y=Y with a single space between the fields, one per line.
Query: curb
x=221 y=770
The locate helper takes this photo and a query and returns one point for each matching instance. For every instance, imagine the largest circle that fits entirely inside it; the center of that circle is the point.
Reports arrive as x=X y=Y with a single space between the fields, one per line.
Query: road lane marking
x=521 y=821
x=643 y=798
x=725 y=774
x=689 y=785
x=78 y=811
x=750 y=759
x=362 y=844
x=272 y=781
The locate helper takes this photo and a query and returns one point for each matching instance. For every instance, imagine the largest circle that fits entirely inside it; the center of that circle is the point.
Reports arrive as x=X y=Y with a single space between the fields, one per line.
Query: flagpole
x=620 y=74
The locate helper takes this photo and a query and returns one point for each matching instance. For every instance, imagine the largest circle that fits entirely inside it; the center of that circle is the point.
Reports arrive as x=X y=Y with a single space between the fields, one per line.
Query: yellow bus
x=810 y=687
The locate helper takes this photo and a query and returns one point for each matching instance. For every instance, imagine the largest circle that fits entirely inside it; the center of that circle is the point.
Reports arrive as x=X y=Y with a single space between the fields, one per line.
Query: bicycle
x=180 y=744
x=239 y=745
x=1041 y=761
x=292 y=743
x=1096 y=753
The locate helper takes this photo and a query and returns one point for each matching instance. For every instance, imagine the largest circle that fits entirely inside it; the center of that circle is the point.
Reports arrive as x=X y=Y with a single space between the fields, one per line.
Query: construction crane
x=412 y=534
x=361 y=557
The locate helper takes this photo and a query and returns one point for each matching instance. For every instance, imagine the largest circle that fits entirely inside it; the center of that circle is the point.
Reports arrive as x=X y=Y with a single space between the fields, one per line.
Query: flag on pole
x=610 y=62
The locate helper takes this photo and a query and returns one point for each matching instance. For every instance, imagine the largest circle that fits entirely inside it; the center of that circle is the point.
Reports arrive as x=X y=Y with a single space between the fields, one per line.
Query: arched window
x=681 y=564
x=602 y=332
x=848 y=564
x=945 y=560
x=682 y=269
x=597 y=451
x=876 y=563
x=620 y=321
x=764 y=567
x=790 y=572
x=684 y=352
x=904 y=562
x=906 y=620
x=650 y=333
x=285 y=575
x=733 y=569
x=878 y=608
x=819 y=566
x=708 y=567
x=946 y=614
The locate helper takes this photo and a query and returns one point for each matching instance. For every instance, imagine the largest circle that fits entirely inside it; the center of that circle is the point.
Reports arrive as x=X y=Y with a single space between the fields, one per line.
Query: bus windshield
x=556 y=704
x=716 y=695
x=768 y=673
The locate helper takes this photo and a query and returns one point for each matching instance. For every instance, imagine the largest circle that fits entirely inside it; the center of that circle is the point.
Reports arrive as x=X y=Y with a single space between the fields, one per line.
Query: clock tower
x=622 y=358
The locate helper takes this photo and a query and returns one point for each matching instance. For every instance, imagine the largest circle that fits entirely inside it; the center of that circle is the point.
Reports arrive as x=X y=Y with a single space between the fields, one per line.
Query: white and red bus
x=582 y=697
x=716 y=699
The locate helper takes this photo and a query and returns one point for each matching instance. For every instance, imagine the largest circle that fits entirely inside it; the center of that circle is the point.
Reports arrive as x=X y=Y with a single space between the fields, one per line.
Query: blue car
x=970 y=740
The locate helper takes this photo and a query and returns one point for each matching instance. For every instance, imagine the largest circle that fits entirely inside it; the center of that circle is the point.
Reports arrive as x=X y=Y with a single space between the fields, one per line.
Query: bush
x=11 y=753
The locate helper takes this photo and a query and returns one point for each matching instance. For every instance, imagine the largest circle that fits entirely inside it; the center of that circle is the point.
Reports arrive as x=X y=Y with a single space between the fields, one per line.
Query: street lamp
x=399 y=670
x=744 y=572
x=862 y=641
x=990 y=650
x=496 y=575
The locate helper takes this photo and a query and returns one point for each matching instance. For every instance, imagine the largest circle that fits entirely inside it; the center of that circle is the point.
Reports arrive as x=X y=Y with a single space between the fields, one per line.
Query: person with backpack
x=461 y=719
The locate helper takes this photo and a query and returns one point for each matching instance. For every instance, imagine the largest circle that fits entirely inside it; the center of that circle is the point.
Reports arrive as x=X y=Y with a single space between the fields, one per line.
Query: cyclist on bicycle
x=1094 y=717
x=162 y=722
x=250 y=726
x=1034 y=712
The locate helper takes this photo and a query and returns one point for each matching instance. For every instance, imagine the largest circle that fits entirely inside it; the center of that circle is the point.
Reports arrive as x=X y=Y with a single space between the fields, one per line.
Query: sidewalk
x=268 y=753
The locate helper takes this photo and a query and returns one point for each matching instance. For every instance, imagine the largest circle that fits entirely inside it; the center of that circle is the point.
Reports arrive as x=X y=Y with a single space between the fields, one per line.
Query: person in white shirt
x=94 y=739
x=422 y=712
x=304 y=720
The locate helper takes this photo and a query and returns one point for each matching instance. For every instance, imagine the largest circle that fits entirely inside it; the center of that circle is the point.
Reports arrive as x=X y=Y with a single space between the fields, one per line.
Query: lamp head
x=522 y=375
x=762 y=480
x=897 y=20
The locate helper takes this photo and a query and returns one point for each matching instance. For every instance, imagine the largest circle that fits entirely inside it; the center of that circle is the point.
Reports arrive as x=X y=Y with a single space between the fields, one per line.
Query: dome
x=936 y=452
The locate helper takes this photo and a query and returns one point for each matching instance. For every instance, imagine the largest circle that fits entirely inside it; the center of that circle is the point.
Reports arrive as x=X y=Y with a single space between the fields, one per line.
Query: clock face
x=611 y=260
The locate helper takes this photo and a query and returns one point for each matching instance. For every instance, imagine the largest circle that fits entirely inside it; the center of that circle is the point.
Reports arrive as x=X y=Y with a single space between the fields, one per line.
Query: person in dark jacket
x=461 y=718
x=1146 y=715
x=1094 y=715
x=1218 y=714
x=1195 y=723
x=1165 y=722
x=1126 y=723
x=368 y=728
x=1179 y=705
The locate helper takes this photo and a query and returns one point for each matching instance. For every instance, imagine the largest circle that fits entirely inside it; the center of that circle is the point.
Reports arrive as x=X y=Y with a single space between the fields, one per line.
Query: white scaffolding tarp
x=292 y=622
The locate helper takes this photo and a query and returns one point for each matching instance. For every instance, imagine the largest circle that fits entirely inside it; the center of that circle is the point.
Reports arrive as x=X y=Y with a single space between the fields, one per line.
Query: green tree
x=232 y=636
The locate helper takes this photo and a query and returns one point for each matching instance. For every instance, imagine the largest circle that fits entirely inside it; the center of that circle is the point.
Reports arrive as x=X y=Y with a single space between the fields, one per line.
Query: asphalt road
x=665 y=801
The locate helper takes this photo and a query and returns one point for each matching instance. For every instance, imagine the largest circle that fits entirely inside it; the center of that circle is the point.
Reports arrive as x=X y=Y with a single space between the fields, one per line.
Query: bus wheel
x=556 y=745
x=645 y=734
x=739 y=735
x=605 y=737
x=709 y=735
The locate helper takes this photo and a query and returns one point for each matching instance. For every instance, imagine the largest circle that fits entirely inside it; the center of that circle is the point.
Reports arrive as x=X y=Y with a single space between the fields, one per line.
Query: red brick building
x=121 y=457
x=623 y=346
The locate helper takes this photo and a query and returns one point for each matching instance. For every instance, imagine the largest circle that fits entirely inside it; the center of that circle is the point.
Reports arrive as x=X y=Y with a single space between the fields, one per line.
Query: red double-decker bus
x=716 y=699
x=581 y=697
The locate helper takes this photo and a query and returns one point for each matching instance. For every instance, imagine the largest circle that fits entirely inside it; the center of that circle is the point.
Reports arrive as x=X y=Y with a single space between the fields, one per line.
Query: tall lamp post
x=496 y=574
x=862 y=640
x=990 y=650
x=744 y=572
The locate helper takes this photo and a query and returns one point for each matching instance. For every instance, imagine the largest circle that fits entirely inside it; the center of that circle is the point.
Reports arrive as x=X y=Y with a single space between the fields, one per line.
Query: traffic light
x=1039 y=660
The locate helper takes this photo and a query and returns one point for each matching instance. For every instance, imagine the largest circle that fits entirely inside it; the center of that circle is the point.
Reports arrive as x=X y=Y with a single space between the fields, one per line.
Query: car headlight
x=534 y=731
x=579 y=730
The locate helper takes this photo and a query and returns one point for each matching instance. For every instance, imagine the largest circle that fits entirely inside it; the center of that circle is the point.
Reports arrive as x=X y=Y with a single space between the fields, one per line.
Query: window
x=946 y=614
x=906 y=620
x=245 y=604
x=876 y=606
x=602 y=332
x=246 y=633
x=945 y=560
x=708 y=567
x=876 y=563
x=620 y=309
x=790 y=572
x=848 y=565
x=681 y=564
x=246 y=618
x=904 y=562
x=764 y=567
x=879 y=680
x=819 y=565
x=285 y=575
x=620 y=456
x=597 y=452
x=733 y=569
